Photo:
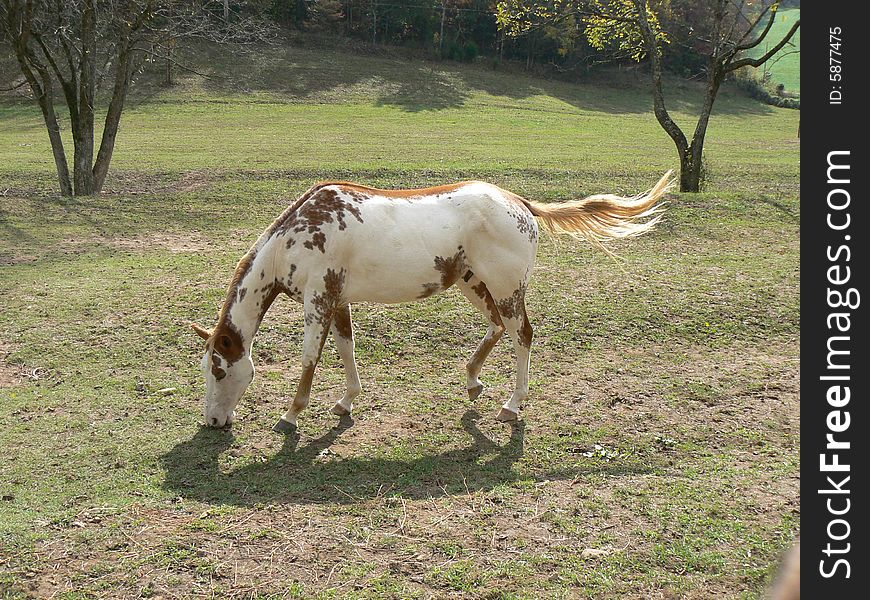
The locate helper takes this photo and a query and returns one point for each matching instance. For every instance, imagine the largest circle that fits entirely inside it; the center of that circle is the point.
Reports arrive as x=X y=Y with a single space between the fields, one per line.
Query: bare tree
x=67 y=48
x=731 y=34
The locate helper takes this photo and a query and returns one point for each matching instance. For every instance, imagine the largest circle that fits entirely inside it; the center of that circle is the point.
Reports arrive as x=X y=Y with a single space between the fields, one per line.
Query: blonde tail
x=604 y=217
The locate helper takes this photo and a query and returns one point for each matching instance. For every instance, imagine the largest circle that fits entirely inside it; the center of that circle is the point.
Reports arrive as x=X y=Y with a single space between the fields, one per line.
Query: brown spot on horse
x=226 y=341
x=325 y=303
x=325 y=207
x=450 y=268
x=216 y=367
x=318 y=240
x=342 y=322
x=322 y=206
x=514 y=306
x=482 y=292
x=526 y=332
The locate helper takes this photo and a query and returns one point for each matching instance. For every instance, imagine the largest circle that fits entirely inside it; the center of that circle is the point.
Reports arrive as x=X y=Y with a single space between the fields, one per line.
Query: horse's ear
x=201 y=331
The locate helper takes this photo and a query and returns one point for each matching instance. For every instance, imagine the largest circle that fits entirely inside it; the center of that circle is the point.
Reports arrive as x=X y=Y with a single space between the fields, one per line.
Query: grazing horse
x=342 y=243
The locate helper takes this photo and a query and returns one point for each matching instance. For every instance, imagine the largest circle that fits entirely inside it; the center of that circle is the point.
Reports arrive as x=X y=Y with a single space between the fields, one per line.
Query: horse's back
x=401 y=244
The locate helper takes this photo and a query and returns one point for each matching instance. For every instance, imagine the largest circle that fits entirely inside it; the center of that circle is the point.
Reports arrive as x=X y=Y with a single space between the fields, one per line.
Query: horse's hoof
x=506 y=415
x=285 y=427
x=339 y=410
x=474 y=392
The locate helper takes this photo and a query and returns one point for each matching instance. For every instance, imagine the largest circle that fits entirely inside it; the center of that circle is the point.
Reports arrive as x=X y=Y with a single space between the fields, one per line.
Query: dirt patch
x=174 y=242
x=131 y=183
x=13 y=257
x=10 y=375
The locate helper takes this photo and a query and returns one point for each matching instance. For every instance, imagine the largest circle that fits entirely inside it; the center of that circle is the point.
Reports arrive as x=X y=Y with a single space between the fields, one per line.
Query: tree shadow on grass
x=297 y=474
x=11 y=233
x=788 y=212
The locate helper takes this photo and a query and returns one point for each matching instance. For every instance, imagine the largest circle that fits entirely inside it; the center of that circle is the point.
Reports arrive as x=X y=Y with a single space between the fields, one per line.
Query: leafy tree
x=555 y=20
x=67 y=48
x=720 y=32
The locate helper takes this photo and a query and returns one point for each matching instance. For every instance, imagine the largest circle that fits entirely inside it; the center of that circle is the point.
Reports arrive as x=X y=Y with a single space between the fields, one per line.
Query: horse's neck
x=247 y=301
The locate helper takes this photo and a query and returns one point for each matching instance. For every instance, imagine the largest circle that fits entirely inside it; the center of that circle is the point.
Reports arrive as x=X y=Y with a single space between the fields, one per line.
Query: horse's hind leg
x=342 y=333
x=477 y=293
x=512 y=309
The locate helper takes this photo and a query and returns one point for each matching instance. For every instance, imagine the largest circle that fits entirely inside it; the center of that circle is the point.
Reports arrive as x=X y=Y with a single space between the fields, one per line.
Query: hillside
x=380 y=111
x=785 y=66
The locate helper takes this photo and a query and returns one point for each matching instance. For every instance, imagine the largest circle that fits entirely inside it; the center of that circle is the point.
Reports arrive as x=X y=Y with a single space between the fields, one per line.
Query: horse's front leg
x=342 y=333
x=318 y=318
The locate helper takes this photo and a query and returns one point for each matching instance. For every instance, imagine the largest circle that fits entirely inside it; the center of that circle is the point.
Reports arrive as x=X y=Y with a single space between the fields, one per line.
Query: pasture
x=657 y=456
x=785 y=66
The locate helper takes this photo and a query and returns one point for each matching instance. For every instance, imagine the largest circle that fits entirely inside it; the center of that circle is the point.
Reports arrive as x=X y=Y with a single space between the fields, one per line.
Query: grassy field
x=785 y=66
x=658 y=453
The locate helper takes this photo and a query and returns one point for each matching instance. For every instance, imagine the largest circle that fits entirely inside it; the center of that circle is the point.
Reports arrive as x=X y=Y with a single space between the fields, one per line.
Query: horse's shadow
x=308 y=474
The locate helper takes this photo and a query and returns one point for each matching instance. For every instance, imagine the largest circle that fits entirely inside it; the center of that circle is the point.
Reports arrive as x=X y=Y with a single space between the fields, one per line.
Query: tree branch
x=738 y=12
x=756 y=62
x=180 y=65
x=761 y=35
x=14 y=87
x=47 y=54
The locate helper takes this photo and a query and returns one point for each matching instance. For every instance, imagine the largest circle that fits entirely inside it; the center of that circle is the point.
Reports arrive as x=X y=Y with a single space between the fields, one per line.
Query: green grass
x=663 y=424
x=785 y=66
x=309 y=114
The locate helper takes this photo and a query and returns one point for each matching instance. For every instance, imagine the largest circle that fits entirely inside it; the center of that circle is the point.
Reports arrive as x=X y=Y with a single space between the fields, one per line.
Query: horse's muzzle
x=218 y=422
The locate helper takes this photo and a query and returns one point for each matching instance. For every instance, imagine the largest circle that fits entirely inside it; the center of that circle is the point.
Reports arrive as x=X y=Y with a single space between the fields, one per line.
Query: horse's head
x=228 y=371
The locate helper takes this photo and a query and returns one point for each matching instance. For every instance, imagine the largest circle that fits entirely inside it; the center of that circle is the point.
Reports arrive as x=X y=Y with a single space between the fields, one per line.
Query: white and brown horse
x=342 y=243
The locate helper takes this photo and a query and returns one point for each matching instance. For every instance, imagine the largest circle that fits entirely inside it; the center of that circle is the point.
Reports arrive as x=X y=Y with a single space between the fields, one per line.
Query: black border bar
x=834 y=340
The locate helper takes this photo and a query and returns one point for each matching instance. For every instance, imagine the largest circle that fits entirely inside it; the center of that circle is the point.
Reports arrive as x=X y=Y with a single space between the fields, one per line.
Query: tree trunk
x=82 y=112
x=441 y=34
x=113 y=118
x=50 y=117
x=693 y=161
x=690 y=170
x=661 y=112
x=375 y=22
x=169 y=43
x=83 y=140
x=43 y=89
x=691 y=181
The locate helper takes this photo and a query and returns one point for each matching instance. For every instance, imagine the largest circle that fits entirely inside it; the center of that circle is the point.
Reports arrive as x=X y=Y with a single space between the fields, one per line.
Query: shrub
x=470 y=52
x=757 y=89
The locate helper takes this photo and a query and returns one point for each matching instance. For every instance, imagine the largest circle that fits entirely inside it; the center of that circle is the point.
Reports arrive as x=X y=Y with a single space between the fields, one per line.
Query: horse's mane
x=287 y=212
x=400 y=193
x=245 y=263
